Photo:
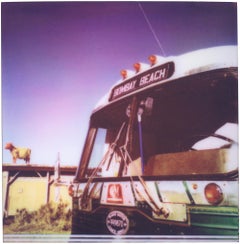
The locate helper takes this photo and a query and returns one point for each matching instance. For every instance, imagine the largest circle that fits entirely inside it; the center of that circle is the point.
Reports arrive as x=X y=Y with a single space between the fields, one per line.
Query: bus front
x=161 y=154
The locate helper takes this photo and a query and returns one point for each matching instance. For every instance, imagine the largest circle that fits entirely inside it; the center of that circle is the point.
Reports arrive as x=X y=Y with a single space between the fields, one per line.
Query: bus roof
x=171 y=68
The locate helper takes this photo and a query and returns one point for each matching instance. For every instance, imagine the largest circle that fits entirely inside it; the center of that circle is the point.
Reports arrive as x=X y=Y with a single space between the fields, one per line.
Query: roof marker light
x=137 y=67
x=140 y=66
x=126 y=73
x=154 y=59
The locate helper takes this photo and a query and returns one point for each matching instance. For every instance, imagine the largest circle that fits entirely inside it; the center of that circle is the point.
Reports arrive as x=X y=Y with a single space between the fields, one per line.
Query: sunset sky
x=60 y=58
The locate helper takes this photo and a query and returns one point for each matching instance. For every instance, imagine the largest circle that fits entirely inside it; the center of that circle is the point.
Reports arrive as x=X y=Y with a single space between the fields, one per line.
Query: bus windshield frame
x=176 y=116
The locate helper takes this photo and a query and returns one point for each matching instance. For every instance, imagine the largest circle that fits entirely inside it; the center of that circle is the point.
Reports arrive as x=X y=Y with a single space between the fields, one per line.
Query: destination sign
x=147 y=78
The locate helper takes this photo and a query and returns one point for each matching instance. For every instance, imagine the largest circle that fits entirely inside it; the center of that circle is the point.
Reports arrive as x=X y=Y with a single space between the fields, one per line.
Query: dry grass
x=49 y=219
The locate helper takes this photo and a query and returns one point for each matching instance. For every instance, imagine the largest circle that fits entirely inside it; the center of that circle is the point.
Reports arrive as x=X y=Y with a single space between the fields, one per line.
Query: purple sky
x=59 y=59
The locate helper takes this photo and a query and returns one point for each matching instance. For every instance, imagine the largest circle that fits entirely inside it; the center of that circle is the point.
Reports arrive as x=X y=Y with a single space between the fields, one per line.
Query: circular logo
x=117 y=223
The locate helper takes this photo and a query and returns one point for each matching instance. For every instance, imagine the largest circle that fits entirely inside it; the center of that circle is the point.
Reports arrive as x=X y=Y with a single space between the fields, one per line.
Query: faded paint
x=30 y=187
x=26 y=193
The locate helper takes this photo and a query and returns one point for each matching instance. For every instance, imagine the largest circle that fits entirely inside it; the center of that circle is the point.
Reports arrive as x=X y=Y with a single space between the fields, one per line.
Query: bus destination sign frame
x=146 y=78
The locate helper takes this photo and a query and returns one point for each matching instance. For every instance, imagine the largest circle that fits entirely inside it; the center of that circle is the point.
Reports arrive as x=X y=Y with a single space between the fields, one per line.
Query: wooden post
x=6 y=195
x=48 y=184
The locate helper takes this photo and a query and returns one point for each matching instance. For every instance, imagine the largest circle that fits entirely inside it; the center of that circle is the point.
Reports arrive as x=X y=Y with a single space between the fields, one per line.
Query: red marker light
x=70 y=191
x=137 y=67
x=194 y=186
x=152 y=59
x=213 y=193
x=124 y=74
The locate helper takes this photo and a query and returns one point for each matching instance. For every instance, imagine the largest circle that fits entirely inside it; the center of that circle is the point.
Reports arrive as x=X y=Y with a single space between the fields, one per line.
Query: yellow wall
x=60 y=193
x=26 y=192
x=31 y=193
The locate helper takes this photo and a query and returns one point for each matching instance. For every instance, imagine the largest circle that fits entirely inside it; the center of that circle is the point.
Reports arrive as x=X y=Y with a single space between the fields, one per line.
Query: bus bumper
x=214 y=220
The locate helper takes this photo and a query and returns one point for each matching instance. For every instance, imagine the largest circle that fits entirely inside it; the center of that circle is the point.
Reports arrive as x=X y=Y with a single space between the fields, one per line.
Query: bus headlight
x=213 y=193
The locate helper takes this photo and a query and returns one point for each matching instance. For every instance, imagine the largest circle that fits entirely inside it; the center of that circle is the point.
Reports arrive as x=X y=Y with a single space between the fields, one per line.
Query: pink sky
x=59 y=59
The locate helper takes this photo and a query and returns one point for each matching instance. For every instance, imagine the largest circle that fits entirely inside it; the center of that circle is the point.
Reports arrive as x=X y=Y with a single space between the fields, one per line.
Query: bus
x=161 y=152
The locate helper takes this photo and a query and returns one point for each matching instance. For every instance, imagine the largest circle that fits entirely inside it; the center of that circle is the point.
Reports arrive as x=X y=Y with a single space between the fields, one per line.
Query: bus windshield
x=186 y=126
